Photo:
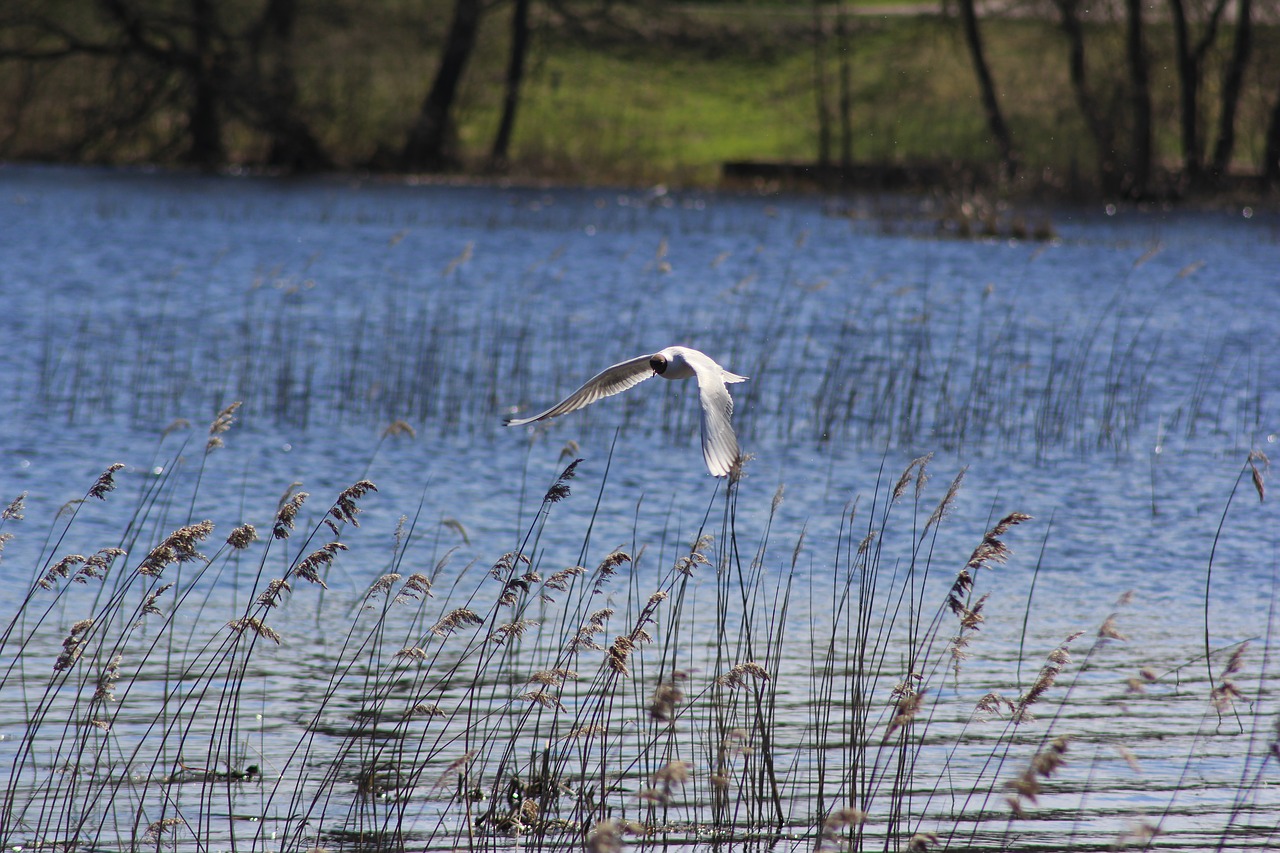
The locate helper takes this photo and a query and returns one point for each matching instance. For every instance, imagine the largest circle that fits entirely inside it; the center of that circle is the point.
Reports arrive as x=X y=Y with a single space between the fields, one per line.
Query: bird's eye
x=658 y=363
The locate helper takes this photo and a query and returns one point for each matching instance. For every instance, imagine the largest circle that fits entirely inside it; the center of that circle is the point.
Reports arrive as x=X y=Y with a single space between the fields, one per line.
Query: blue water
x=1111 y=383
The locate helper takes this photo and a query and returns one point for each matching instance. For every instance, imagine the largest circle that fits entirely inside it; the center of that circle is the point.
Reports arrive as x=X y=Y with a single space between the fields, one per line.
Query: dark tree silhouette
x=498 y=156
x=430 y=146
x=1138 y=179
x=1232 y=83
x=987 y=89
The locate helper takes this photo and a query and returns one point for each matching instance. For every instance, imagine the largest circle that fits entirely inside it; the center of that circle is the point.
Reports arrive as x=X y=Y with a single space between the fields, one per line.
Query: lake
x=787 y=663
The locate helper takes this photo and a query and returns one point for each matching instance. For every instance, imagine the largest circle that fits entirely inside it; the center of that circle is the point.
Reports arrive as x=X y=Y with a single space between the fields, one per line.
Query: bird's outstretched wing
x=719 y=443
x=606 y=383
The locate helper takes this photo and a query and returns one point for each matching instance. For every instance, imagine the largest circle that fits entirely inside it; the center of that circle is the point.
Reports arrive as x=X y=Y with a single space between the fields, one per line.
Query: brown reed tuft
x=1058 y=658
x=944 y=505
x=399 y=427
x=917 y=469
x=909 y=702
x=15 y=508
x=1027 y=786
x=1226 y=692
x=618 y=653
x=664 y=782
x=666 y=698
x=241 y=537
x=455 y=619
x=107 y=679
x=426 y=709
x=290 y=504
x=922 y=841
x=686 y=564
x=309 y=568
x=512 y=629
x=276 y=588
x=73 y=645
x=835 y=823
x=61 y=569
x=417 y=586
x=552 y=677
x=545 y=699
x=606 y=836
x=560 y=488
x=148 y=607
x=1259 y=484
x=257 y=626
x=345 y=509
x=737 y=675
x=221 y=424
x=454 y=766
x=585 y=638
x=412 y=653
x=106 y=482
x=178 y=547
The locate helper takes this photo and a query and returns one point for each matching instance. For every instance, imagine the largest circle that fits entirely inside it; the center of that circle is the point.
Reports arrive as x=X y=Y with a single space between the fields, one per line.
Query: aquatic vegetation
x=199 y=689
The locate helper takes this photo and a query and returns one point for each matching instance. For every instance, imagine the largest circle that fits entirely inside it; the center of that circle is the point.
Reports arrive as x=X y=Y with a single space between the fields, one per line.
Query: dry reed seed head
x=609 y=565
x=570 y=450
x=922 y=841
x=416 y=587
x=777 y=499
x=908 y=706
x=512 y=629
x=841 y=818
x=148 y=607
x=455 y=619
x=412 y=653
x=944 y=505
x=398 y=427
x=345 y=508
x=288 y=513
x=178 y=547
x=430 y=710
x=276 y=588
x=1008 y=521
x=560 y=580
x=224 y=419
x=1259 y=484
x=4 y=539
x=309 y=568
x=256 y=625
x=458 y=528
x=1129 y=758
x=61 y=569
x=241 y=537
x=1108 y=630
x=383 y=584
x=175 y=425
x=606 y=836
x=560 y=488
x=15 y=508
x=106 y=482
x=586 y=731
x=993 y=704
x=73 y=645
x=665 y=700
x=552 y=677
x=107 y=679
x=618 y=653
x=545 y=699
x=737 y=675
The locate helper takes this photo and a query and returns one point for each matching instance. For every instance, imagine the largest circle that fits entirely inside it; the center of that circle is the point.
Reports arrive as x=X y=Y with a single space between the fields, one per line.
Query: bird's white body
x=719 y=444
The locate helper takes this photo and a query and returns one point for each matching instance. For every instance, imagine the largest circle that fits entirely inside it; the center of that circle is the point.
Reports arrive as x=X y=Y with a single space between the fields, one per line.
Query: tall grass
x=749 y=687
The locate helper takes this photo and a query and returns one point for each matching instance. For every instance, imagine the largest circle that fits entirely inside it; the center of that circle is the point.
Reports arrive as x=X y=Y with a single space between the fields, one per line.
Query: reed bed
x=204 y=684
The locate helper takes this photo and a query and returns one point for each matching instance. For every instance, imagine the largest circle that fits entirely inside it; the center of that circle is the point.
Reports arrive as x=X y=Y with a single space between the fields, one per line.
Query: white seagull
x=719 y=444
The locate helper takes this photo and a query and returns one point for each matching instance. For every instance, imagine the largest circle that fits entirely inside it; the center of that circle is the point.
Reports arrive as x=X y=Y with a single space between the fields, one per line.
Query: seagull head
x=659 y=364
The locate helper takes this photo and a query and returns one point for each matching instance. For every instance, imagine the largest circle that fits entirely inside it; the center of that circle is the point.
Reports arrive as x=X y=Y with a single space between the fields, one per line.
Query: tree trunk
x=204 y=123
x=274 y=99
x=820 y=86
x=846 y=87
x=987 y=89
x=1100 y=128
x=1188 y=91
x=1271 y=154
x=515 y=74
x=1139 y=177
x=1232 y=82
x=430 y=143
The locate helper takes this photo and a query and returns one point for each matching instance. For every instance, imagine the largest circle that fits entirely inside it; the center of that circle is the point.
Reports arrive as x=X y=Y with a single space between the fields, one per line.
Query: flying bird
x=719 y=444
